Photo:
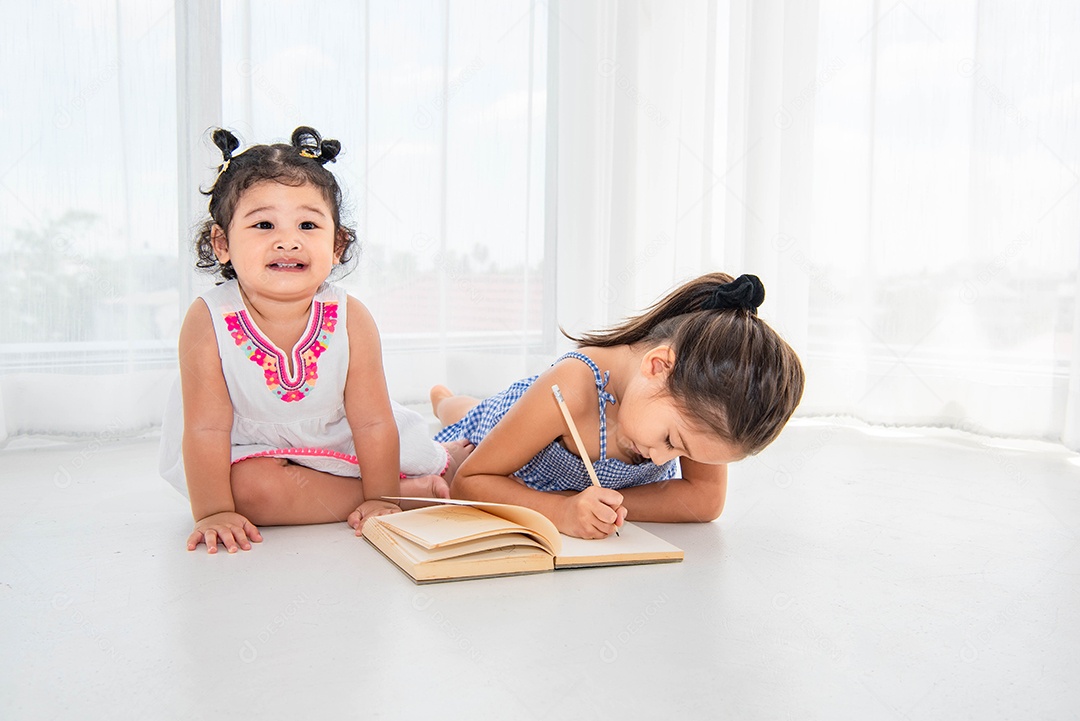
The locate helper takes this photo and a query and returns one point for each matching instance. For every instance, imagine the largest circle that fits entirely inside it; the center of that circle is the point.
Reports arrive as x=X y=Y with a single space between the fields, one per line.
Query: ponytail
x=733 y=373
x=713 y=291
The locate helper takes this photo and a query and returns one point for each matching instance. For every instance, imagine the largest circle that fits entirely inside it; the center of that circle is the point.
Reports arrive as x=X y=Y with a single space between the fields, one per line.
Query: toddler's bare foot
x=458 y=450
x=437 y=395
x=423 y=487
x=436 y=486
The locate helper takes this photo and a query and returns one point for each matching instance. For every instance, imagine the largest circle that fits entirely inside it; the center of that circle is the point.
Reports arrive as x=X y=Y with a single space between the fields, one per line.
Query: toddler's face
x=280 y=241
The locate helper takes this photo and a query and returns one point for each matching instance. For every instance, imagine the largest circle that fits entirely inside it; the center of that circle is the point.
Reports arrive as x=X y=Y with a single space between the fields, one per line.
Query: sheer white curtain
x=904 y=176
x=442 y=111
x=88 y=201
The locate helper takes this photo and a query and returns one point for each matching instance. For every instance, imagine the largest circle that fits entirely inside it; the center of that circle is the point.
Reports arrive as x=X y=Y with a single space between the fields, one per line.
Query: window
x=440 y=107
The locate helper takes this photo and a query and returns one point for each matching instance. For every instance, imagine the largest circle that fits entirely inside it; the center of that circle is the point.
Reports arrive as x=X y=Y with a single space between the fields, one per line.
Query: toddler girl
x=284 y=400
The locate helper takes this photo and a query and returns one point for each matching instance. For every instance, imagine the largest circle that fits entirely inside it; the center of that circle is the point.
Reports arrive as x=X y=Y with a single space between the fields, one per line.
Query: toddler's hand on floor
x=367 y=509
x=593 y=513
x=231 y=529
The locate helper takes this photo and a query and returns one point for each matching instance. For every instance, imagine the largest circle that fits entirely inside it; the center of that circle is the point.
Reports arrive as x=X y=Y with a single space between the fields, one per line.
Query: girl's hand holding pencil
x=589 y=512
x=595 y=512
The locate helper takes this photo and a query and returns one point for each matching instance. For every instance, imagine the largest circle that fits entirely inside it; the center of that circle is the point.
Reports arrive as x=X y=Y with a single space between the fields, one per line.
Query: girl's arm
x=208 y=418
x=696 y=497
x=531 y=424
x=367 y=406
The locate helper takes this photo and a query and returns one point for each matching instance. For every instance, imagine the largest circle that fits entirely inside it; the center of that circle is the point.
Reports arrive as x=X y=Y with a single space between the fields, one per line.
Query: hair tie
x=745 y=292
x=308 y=143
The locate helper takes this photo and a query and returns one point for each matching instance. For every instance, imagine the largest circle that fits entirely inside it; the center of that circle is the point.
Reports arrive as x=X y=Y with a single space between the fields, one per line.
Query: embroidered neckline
x=274 y=362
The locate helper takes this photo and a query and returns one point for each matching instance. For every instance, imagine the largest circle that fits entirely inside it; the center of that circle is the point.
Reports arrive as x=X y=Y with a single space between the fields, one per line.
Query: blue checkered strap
x=603 y=397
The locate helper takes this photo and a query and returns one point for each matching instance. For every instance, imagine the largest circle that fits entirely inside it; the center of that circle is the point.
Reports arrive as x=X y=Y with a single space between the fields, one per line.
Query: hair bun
x=310 y=144
x=226 y=142
x=746 y=292
x=328 y=151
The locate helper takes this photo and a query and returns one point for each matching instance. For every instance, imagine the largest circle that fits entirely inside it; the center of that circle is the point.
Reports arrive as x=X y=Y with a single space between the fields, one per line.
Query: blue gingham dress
x=555 y=468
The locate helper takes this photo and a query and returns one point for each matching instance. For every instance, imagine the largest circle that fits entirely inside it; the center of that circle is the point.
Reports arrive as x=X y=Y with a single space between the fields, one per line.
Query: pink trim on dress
x=316 y=452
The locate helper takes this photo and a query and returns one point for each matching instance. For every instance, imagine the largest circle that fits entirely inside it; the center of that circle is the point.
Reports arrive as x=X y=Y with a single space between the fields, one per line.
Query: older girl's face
x=652 y=426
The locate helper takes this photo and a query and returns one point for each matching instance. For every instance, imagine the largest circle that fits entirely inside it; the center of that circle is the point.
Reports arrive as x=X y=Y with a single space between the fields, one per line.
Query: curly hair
x=297 y=164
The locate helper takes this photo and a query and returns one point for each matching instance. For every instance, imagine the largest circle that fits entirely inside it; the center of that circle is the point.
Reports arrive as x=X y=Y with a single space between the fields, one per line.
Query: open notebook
x=456 y=540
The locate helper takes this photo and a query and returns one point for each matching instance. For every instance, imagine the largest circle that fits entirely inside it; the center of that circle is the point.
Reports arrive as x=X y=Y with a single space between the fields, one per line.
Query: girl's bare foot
x=437 y=395
x=458 y=451
x=448 y=407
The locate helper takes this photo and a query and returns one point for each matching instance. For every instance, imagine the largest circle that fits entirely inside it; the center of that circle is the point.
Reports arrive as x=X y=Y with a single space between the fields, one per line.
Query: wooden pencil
x=577 y=438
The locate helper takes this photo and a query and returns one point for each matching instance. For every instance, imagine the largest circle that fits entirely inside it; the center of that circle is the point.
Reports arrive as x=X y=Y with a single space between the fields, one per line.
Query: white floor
x=855 y=574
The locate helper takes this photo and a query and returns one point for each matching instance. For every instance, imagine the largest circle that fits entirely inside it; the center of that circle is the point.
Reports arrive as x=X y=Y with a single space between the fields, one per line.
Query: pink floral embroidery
x=270 y=373
x=267 y=356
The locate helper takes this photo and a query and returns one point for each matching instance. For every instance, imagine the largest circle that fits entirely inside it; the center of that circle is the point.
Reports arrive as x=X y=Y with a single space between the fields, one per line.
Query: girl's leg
x=275 y=492
x=450 y=408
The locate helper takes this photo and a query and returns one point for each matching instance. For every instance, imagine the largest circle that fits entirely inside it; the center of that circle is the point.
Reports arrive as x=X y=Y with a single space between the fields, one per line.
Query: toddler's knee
x=252 y=485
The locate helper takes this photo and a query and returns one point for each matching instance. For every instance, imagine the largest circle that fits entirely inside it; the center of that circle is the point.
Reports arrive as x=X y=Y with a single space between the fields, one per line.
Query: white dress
x=291 y=405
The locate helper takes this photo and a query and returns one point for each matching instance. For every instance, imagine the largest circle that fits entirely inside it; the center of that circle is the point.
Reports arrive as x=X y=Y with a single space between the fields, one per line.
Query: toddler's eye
x=668 y=442
x=264 y=225
x=307 y=225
